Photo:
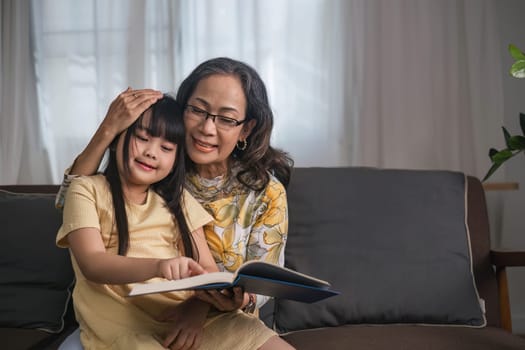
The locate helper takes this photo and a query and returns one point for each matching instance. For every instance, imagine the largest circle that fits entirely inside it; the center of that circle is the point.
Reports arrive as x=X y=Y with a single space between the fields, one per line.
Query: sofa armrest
x=502 y=259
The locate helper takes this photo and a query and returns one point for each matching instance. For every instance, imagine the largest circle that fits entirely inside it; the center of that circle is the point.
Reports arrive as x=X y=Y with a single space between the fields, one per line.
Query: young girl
x=135 y=223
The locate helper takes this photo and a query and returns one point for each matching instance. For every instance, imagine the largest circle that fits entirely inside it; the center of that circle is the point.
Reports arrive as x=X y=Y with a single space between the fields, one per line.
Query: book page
x=216 y=279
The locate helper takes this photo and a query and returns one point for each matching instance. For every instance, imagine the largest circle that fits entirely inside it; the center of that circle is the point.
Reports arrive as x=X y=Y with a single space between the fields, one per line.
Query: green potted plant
x=515 y=143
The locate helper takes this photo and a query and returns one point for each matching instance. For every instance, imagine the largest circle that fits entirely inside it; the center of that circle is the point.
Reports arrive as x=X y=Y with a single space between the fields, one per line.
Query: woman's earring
x=242 y=144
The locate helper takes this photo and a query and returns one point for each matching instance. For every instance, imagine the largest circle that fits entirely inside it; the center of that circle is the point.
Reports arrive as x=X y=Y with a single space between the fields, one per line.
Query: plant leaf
x=506 y=135
x=522 y=123
x=492 y=152
x=517 y=70
x=498 y=159
x=517 y=142
x=516 y=53
x=491 y=171
x=501 y=156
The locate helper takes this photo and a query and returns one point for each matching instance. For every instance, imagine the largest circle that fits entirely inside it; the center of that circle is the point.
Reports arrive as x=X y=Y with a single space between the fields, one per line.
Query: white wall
x=511 y=14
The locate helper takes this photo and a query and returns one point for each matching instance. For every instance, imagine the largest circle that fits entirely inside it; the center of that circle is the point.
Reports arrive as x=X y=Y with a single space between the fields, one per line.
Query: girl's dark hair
x=166 y=121
x=259 y=157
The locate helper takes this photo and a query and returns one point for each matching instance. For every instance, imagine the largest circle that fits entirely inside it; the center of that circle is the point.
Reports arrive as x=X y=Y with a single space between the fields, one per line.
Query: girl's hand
x=127 y=107
x=188 y=320
x=222 y=300
x=177 y=268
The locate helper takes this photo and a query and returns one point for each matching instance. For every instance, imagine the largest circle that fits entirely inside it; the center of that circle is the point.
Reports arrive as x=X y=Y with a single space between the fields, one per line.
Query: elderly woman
x=233 y=171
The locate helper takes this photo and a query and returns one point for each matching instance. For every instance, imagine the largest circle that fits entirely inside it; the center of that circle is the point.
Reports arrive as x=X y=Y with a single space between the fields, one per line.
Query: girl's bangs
x=163 y=122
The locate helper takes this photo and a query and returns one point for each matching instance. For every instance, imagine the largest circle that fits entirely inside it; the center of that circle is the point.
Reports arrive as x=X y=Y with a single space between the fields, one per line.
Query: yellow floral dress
x=247 y=225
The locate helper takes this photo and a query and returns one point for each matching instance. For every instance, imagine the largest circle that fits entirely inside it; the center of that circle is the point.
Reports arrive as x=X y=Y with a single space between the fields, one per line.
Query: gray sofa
x=409 y=251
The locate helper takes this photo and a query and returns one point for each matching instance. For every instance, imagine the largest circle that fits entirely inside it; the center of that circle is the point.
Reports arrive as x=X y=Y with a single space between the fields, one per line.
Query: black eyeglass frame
x=196 y=110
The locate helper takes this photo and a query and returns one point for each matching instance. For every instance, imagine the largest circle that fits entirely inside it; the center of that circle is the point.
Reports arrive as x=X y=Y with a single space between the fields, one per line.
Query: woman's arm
x=122 y=112
x=226 y=299
x=268 y=236
x=101 y=267
x=267 y=239
x=269 y=232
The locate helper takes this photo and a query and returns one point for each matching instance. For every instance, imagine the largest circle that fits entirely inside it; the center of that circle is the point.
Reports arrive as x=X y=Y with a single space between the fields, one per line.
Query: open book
x=254 y=276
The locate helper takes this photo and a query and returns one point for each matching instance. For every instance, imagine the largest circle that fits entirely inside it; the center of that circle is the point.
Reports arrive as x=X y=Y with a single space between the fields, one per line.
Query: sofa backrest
x=311 y=184
x=396 y=243
x=37 y=278
x=40 y=189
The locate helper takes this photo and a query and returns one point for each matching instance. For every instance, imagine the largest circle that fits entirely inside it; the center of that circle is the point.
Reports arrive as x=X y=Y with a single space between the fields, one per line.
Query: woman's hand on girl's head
x=177 y=268
x=127 y=107
x=222 y=300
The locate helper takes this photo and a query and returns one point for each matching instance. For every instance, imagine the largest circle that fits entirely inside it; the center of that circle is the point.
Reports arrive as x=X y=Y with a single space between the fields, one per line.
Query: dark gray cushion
x=405 y=337
x=393 y=242
x=36 y=276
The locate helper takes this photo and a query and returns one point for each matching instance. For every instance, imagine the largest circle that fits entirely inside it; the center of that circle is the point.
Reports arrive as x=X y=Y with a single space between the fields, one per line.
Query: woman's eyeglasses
x=221 y=122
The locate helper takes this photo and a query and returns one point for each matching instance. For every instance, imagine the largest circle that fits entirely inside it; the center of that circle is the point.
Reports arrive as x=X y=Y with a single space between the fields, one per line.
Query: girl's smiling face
x=150 y=159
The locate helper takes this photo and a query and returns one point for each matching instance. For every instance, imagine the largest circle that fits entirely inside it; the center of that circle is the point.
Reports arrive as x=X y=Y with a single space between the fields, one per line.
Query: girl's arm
x=122 y=112
x=205 y=257
x=101 y=267
x=188 y=317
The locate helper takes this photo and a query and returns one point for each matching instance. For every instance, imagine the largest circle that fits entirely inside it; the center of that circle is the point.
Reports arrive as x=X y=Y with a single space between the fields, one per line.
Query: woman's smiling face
x=207 y=146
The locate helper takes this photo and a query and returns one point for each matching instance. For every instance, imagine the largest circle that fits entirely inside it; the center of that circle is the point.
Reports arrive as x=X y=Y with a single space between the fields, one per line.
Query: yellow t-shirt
x=107 y=317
